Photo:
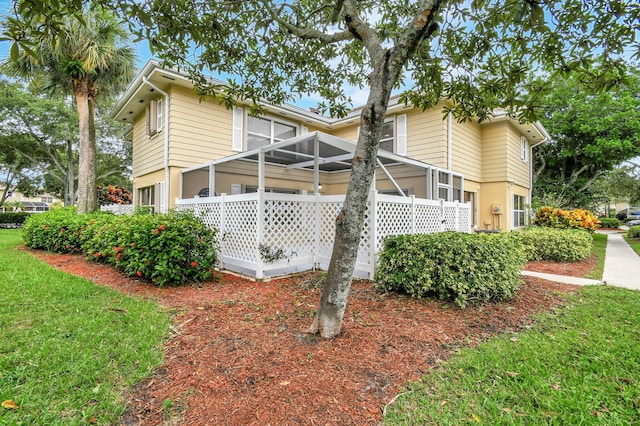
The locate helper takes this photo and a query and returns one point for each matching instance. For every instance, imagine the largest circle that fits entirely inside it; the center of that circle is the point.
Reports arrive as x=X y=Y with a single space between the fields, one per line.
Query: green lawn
x=599 y=248
x=580 y=365
x=634 y=243
x=68 y=348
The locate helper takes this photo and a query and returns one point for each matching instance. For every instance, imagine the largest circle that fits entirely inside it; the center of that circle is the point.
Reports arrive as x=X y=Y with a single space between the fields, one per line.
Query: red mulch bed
x=239 y=354
x=572 y=269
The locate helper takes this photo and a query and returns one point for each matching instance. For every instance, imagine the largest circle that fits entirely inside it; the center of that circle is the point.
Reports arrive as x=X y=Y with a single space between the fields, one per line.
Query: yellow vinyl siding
x=148 y=152
x=517 y=169
x=427 y=136
x=349 y=133
x=494 y=152
x=466 y=150
x=199 y=131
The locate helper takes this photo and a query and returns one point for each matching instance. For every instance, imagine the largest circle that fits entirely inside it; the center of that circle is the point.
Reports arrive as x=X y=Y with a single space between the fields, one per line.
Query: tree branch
x=590 y=181
x=576 y=174
x=308 y=33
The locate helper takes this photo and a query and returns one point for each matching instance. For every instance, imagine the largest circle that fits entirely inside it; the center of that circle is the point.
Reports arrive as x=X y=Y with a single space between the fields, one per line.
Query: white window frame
x=154 y=117
x=147 y=196
x=515 y=217
x=393 y=138
x=524 y=149
x=271 y=137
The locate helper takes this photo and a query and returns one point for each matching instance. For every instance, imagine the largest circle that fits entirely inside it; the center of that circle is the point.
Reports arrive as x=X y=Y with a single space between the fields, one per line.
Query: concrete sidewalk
x=621 y=266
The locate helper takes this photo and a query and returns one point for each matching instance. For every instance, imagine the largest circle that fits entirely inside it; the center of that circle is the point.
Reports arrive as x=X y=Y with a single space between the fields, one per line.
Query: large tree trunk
x=387 y=64
x=92 y=176
x=81 y=92
x=69 y=181
x=350 y=221
x=87 y=149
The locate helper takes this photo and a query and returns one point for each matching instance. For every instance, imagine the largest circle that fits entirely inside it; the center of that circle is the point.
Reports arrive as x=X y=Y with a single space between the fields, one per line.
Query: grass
x=68 y=348
x=580 y=365
x=634 y=243
x=599 y=248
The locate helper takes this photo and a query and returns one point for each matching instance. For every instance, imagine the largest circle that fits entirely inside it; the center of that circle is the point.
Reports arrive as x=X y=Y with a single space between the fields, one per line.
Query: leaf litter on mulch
x=239 y=354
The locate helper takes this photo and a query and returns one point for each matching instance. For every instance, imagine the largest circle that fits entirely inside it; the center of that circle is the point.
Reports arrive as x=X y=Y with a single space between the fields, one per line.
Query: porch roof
x=330 y=153
x=316 y=152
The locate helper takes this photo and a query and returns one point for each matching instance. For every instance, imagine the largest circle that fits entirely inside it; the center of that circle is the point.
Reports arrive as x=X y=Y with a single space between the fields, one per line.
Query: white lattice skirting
x=301 y=228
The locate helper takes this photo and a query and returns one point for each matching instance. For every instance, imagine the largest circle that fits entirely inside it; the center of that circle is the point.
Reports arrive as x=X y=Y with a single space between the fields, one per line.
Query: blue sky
x=358 y=96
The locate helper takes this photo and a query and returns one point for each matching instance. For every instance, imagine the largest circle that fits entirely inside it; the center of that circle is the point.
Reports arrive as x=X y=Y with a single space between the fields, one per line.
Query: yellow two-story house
x=486 y=164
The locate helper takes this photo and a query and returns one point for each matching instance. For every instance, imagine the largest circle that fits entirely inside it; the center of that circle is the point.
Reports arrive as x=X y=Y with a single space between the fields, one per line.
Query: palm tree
x=84 y=58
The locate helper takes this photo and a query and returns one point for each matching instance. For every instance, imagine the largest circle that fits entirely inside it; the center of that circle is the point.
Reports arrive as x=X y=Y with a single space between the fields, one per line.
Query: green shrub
x=166 y=249
x=609 y=222
x=60 y=230
x=13 y=218
x=463 y=268
x=633 y=232
x=560 y=245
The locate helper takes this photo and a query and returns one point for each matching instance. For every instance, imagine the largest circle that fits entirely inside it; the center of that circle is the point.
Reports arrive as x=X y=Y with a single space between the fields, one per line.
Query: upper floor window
x=46 y=199
x=154 y=117
x=388 y=136
x=519 y=211
x=265 y=131
x=524 y=149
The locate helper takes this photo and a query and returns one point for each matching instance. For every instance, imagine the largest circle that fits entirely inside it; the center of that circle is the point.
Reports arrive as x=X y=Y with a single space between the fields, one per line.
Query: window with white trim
x=444 y=185
x=387 y=138
x=263 y=131
x=394 y=135
x=154 y=117
x=524 y=149
x=146 y=197
x=519 y=211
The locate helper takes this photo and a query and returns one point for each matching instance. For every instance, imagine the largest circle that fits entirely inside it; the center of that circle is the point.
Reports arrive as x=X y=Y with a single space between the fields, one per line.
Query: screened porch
x=275 y=206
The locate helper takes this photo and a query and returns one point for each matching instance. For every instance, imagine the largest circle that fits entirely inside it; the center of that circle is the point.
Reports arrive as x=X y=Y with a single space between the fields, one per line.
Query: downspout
x=167 y=175
x=544 y=139
x=449 y=136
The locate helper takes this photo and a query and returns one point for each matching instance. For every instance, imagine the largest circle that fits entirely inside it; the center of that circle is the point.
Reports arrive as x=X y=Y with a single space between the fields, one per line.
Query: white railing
x=118 y=208
x=267 y=234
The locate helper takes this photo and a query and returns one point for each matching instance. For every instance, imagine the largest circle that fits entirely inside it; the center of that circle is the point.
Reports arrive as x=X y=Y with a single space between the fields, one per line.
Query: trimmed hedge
x=633 y=232
x=609 y=222
x=165 y=249
x=463 y=268
x=13 y=218
x=559 y=245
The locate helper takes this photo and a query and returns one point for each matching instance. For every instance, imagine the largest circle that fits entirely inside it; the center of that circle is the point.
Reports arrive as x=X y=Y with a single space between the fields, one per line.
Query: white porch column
x=260 y=217
x=373 y=231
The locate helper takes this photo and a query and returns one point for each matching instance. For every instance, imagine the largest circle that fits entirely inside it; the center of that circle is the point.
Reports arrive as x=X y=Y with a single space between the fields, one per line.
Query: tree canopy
x=39 y=142
x=591 y=134
x=82 y=55
x=479 y=55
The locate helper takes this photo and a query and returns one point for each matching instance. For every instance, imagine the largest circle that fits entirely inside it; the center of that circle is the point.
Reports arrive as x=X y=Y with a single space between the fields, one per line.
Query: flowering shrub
x=560 y=245
x=114 y=194
x=165 y=249
x=453 y=266
x=60 y=230
x=574 y=219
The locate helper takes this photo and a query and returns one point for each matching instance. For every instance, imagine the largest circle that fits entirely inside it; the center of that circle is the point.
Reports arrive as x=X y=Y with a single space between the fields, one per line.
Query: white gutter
x=167 y=175
x=545 y=138
x=449 y=135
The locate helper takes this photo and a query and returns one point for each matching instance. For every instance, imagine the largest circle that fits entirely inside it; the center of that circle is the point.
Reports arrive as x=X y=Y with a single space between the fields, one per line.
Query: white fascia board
x=133 y=87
